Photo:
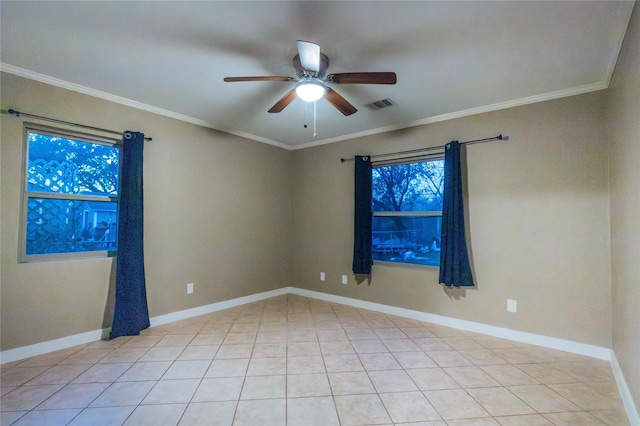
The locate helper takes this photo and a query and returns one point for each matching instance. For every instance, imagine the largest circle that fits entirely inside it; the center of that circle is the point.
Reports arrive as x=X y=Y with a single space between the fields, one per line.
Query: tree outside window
x=70 y=195
x=407 y=212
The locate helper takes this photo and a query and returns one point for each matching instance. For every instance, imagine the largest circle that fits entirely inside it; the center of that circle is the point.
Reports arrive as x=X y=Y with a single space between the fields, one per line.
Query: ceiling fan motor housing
x=304 y=74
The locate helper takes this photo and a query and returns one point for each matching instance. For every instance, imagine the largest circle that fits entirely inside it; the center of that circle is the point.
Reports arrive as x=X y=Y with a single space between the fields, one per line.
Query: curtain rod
x=432 y=148
x=55 y=120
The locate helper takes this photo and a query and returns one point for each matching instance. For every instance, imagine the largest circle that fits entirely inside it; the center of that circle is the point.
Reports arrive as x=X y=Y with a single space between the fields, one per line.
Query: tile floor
x=290 y=360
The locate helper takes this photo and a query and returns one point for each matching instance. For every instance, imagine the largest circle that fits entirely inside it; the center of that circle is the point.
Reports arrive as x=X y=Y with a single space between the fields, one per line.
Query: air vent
x=383 y=103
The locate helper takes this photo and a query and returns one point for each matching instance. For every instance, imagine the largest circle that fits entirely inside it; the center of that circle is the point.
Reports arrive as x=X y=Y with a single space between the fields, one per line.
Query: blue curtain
x=362 y=256
x=131 y=312
x=455 y=269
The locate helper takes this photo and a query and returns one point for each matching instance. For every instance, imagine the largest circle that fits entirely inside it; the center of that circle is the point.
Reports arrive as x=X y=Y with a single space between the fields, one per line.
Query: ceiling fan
x=311 y=81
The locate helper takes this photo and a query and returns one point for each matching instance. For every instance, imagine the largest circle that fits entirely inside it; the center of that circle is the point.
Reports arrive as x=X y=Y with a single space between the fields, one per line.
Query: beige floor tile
x=176 y=340
x=585 y=396
x=141 y=342
x=261 y=412
x=369 y=346
x=360 y=333
x=509 y=375
x=267 y=350
x=498 y=401
x=162 y=354
x=470 y=377
x=350 y=383
x=331 y=335
x=172 y=392
x=449 y=359
x=547 y=373
x=238 y=338
x=524 y=420
x=338 y=363
x=242 y=350
x=267 y=366
x=314 y=411
x=338 y=347
x=16 y=376
x=409 y=407
x=455 y=404
x=461 y=343
x=228 y=367
x=106 y=416
x=482 y=357
x=48 y=417
x=432 y=379
x=305 y=364
x=379 y=361
x=209 y=413
x=611 y=417
x=141 y=371
x=306 y=361
x=59 y=374
x=219 y=389
x=486 y=421
x=103 y=373
x=413 y=360
x=87 y=356
x=414 y=332
x=305 y=385
x=27 y=397
x=361 y=410
x=123 y=394
x=573 y=418
x=392 y=381
x=74 y=395
x=153 y=415
x=542 y=399
x=303 y=349
x=10 y=417
x=195 y=352
x=124 y=355
x=264 y=387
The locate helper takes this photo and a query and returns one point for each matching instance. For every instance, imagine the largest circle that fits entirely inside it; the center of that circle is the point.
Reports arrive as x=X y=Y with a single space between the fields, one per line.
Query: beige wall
x=538 y=213
x=624 y=135
x=217 y=213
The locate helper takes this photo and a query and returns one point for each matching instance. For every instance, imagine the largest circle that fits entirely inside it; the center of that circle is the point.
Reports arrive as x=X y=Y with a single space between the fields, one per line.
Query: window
x=407 y=212
x=70 y=199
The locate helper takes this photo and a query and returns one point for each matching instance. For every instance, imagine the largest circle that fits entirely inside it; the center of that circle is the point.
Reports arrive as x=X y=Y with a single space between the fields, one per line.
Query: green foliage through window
x=71 y=194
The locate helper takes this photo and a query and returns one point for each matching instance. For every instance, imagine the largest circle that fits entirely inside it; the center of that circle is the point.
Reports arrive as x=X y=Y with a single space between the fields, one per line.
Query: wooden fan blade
x=363 y=78
x=274 y=78
x=340 y=103
x=309 y=55
x=284 y=101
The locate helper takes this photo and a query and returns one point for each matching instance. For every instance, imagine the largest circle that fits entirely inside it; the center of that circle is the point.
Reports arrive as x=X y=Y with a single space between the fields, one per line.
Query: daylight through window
x=70 y=200
x=407 y=212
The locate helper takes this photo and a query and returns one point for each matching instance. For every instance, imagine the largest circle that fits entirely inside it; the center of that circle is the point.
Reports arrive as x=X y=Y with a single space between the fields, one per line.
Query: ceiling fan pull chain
x=314 y=119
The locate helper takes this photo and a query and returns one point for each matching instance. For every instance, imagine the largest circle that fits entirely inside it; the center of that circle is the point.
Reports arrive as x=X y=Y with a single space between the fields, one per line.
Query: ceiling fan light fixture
x=310 y=91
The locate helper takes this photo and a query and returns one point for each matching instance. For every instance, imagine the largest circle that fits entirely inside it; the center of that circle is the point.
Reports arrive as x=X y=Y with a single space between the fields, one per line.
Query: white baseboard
x=218 y=306
x=625 y=393
x=476 y=327
x=23 y=352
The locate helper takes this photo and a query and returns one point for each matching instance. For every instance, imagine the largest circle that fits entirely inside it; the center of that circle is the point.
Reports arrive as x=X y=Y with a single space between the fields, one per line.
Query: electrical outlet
x=189 y=288
x=512 y=305
x=344 y=279
x=322 y=276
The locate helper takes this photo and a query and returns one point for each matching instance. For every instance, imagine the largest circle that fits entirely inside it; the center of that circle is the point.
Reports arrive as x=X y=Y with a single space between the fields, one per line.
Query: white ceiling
x=451 y=58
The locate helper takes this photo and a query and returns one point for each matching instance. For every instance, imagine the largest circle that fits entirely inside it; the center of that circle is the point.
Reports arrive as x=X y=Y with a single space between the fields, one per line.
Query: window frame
x=26 y=195
x=433 y=213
